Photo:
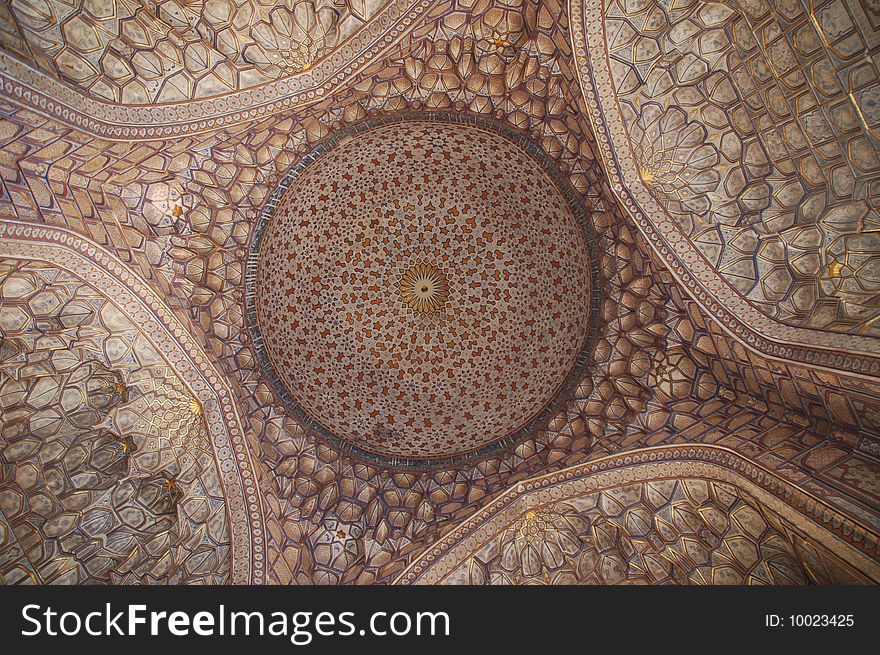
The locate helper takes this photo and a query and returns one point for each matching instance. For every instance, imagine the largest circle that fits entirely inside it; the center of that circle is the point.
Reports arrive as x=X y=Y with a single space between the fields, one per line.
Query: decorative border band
x=840 y=534
x=539 y=157
x=41 y=92
x=131 y=294
x=854 y=354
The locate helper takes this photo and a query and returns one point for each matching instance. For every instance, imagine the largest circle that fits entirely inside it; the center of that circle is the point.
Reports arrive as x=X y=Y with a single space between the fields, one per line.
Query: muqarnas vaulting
x=447 y=291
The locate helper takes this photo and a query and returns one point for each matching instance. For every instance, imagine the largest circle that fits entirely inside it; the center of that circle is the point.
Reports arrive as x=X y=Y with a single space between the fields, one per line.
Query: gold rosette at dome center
x=425 y=288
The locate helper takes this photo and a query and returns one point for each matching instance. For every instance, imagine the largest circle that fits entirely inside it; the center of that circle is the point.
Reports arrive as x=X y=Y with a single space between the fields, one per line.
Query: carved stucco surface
x=181 y=212
x=107 y=471
x=638 y=527
x=141 y=53
x=754 y=125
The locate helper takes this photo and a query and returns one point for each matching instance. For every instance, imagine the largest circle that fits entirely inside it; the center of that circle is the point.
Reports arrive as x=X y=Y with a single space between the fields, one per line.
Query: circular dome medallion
x=422 y=289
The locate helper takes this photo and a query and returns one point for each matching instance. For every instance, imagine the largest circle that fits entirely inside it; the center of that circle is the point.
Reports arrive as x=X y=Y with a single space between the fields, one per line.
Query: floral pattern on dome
x=415 y=294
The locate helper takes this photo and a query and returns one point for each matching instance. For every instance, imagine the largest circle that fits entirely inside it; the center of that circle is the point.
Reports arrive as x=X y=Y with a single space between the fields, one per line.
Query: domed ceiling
x=460 y=291
x=423 y=289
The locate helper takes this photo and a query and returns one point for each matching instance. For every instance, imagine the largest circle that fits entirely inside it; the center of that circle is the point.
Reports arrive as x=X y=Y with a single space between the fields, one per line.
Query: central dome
x=422 y=289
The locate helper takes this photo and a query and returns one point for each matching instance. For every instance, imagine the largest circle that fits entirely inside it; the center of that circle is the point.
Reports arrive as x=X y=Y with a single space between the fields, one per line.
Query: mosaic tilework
x=344 y=340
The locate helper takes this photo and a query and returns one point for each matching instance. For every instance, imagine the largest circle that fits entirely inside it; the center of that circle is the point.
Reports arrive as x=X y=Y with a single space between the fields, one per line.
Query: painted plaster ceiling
x=613 y=265
x=423 y=289
x=140 y=53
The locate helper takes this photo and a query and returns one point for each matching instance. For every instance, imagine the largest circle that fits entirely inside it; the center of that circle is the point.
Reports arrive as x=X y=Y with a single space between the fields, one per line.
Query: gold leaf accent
x=425 y=288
